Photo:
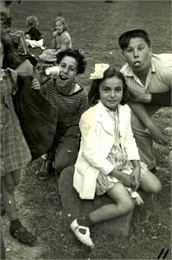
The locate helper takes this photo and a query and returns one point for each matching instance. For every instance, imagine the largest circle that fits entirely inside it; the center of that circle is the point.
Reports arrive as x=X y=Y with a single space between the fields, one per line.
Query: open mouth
x=137 y=64
x=62 y=77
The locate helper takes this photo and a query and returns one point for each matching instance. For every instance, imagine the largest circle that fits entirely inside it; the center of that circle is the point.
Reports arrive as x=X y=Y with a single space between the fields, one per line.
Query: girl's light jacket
x=97 y=130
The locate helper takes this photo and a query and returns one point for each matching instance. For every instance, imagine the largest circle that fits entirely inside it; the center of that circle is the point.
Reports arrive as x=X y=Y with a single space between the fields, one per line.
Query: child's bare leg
x=150 y=183
x=7 y=189
x=123 y=205
x=17 y=230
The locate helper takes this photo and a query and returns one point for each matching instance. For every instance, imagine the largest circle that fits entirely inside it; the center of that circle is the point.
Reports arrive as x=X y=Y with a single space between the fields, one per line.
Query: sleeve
x=44 y=89
x=83 y=105
x=161 y=99
x=65 y=41
x=90 y=146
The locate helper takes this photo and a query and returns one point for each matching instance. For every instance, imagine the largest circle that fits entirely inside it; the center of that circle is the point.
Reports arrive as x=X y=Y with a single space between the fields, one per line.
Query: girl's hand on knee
x=127 y=180
x=135 y=175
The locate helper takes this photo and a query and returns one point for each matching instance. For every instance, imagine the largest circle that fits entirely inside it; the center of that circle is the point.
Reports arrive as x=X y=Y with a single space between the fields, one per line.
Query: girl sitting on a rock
x=108 y=160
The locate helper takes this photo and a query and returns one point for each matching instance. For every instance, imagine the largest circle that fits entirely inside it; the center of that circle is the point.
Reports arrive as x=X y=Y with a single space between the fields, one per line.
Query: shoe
x=23 y=236
x=83 y=238
x=45 y=172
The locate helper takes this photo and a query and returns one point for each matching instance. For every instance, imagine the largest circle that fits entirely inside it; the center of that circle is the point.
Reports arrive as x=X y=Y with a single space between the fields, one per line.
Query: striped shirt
x=70 y=107
x=159 y=78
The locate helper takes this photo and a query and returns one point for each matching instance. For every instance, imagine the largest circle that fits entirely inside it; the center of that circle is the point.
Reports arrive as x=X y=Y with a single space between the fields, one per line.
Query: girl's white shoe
x=83 y=238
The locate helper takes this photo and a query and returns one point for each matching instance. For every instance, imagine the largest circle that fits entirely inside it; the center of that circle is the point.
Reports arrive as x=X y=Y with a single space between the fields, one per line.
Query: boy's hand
x=35 y=84
x=159 y=136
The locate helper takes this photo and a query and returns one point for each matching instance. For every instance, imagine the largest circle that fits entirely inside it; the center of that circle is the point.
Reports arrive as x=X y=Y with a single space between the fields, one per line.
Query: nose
x=112 y=94
x=136 y=54
x=65 y=70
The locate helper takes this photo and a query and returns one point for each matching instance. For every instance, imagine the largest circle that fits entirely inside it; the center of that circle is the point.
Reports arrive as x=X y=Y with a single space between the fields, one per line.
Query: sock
x=15 y=224
x=84 y=221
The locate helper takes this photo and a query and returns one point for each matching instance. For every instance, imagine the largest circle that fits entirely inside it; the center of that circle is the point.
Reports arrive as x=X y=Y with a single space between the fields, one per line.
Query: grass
x=94 y=28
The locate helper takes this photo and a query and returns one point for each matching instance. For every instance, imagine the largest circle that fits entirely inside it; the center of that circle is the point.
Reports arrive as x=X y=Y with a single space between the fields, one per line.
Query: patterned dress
x=118 y=158
x=15 y=153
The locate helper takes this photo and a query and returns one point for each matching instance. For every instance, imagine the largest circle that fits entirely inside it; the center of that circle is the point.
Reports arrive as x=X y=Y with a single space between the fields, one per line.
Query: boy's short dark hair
x=76 y=54
x=124 y=39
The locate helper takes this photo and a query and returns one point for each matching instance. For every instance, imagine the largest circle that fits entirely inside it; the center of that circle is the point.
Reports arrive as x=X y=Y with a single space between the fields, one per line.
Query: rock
x=74 y=207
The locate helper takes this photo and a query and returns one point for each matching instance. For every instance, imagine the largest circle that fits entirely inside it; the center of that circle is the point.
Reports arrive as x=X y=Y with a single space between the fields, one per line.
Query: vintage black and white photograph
x=86 y=129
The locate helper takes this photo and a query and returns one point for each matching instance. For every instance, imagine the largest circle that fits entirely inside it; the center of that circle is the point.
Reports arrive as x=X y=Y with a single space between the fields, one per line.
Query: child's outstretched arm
x=158 y=135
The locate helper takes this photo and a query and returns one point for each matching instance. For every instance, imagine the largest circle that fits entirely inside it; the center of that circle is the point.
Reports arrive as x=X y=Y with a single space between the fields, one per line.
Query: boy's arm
x=158 y=135
x=160 y=99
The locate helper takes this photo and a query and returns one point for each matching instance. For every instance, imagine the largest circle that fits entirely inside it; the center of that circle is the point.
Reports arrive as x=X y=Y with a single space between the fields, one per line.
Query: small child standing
x=15 y=153
x=108 y=161
x=33 y=36
x=61 y=41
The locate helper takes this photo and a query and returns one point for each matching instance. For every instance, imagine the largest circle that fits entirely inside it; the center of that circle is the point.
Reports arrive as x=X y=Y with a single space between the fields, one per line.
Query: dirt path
x=95 y=28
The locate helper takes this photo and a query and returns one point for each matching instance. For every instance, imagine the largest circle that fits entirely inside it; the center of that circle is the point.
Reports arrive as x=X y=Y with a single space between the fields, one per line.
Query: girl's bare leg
x=123 y=204
x=150 y=183
x=7 y=188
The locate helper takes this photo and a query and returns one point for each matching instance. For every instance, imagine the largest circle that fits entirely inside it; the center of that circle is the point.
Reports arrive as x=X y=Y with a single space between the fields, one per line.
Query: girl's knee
x=151 y=183
x=156 y=187
x=127 y=205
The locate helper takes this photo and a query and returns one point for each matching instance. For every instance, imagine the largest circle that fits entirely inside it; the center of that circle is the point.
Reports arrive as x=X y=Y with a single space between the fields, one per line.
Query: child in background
x=15 y=153
x=61 y=41
x=108 y=160
x=33 y=36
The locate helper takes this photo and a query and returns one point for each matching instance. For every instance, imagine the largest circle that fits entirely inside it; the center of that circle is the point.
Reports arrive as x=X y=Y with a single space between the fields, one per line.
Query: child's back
x=34 y=34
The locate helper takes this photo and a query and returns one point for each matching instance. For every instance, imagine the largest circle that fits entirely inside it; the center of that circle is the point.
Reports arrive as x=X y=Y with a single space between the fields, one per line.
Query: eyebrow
x=104 y=86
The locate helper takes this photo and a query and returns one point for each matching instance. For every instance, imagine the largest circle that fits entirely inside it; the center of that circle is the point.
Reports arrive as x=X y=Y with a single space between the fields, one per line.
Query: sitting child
x=108 y=161
x=61 y=41
x=33 y=36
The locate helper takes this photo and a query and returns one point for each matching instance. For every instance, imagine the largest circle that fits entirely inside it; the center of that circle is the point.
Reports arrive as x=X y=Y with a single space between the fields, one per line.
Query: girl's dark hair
x=94 y=95
x=11 y=58
x=76 y=55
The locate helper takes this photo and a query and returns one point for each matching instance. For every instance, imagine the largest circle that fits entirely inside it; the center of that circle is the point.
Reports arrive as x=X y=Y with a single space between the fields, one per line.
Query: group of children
x=108 y=159
x=61 y=38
